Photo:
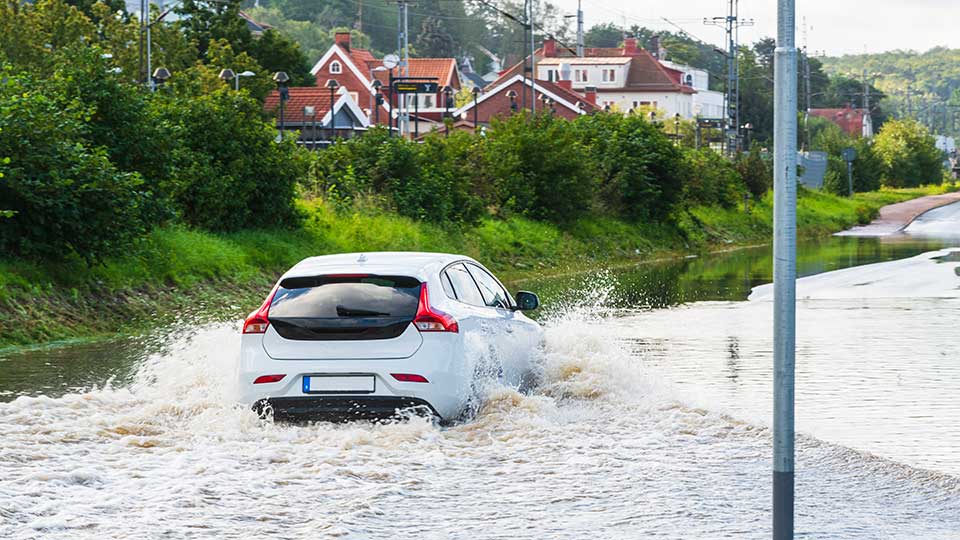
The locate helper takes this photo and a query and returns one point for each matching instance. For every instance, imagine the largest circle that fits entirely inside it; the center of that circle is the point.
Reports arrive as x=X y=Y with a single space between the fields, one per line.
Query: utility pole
x=731 y=24
x=533 y=60
x=403 y=50
x=784 y=267
x=580 y=43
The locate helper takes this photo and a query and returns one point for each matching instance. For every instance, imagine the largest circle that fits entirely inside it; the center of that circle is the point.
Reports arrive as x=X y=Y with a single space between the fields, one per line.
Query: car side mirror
x=527 y=301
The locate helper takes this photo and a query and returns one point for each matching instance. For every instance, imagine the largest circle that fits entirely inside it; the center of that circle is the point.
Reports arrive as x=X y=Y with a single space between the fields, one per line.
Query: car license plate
x=339 y=384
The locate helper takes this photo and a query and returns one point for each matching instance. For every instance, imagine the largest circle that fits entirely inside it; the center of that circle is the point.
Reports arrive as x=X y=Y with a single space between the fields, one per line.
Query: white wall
x=670 y=103
x=594 y=75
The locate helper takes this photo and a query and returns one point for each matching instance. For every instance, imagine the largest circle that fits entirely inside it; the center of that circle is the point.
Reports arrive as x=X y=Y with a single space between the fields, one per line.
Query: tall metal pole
x=406 y=65
x=533 y=62
x=150 y=80
x=784 y=267
x=580 y=43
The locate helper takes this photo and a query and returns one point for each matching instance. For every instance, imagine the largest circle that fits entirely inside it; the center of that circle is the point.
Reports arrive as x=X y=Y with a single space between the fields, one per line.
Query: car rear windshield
x=344 y=307
x=331 y=297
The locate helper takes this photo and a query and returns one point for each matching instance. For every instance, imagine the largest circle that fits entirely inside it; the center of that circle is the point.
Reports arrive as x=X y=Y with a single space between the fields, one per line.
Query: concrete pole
x=784 y=267
x=406 y=65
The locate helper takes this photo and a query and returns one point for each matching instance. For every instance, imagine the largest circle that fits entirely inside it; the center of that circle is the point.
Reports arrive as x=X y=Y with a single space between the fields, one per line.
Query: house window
x=426 y=101
x=580 y=75
x=609 y=75
x=553 y=75
x=335 y=68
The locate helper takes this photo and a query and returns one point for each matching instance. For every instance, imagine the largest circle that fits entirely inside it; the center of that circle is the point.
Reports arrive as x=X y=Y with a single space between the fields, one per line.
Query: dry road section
x=895 y=217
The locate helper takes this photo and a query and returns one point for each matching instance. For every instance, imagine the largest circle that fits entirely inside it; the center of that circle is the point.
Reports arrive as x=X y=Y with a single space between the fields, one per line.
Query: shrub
x=541 y=167
x=867 y=167
x=709 y=179
x=637 y=167
x=909 y=154
x=67 y=197
x=756 y=172
x=434 y=180
x=229 y=171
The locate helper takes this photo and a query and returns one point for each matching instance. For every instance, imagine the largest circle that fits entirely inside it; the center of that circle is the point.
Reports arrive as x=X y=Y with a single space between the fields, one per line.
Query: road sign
x=415 y=87
x=848 y=154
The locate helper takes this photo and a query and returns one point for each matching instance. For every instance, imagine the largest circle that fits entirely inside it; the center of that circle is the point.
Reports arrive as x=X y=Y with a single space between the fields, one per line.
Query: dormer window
x=335 y=68
x=609 y=75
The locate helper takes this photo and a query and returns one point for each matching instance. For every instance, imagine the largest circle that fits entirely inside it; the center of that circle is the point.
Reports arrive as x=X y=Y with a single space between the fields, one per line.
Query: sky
x=834 y=27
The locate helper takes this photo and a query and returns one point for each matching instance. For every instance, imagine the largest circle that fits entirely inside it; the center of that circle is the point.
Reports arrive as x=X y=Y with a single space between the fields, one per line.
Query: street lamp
x=676 y=128
x=226 y=75
x=476 y=121
x=512 y=94
x=160 y=76
x=332 y=84
x=377 y=101
x=281 y=78
x=748 y=127
x=448 y=103
x=309 y=111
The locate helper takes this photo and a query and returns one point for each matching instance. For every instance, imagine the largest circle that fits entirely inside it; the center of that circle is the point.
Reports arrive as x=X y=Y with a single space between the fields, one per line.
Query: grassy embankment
x=177 y=273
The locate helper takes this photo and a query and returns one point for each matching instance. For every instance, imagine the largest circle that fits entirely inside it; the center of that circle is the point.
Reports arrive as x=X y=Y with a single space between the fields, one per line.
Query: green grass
x=177 y=273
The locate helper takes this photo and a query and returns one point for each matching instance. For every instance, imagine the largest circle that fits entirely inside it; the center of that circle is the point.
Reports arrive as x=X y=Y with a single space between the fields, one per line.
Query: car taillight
x=429 y=319
x=409 y=377
x=268 y=379
x=257 y=322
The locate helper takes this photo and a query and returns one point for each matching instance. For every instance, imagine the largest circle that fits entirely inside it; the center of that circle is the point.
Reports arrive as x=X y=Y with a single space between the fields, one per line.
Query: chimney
x=590 y=94
x=655 y=46
x=549 y=47
x=565 y=83
x=342 y=39
x=630 y=46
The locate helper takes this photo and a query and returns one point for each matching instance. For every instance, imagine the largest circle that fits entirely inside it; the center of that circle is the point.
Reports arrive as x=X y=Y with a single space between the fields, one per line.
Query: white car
x=364 y=335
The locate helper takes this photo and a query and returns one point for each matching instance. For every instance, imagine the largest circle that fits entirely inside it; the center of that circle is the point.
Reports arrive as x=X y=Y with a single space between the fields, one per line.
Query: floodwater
x=651 y=422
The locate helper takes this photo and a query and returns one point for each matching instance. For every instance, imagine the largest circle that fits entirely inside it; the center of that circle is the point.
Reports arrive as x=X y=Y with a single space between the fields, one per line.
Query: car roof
x=409 y=263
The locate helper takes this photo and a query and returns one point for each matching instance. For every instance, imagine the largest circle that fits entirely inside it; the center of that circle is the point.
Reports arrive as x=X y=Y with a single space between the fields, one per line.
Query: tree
x=603 y=35
x=275 y=53
x=909 y=154
x=434 y=41
x=67 y=196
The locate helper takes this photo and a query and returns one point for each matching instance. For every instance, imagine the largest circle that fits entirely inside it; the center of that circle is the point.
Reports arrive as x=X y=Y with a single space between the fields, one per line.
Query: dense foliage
x=908 y=154
x=91 y=161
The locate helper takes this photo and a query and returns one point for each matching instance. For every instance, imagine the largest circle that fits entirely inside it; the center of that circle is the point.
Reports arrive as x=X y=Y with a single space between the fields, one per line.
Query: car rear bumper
x=342 y=408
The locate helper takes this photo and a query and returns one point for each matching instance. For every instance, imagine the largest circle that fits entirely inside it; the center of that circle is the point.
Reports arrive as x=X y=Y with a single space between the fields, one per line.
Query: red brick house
x=558 y=97
x=854 y=122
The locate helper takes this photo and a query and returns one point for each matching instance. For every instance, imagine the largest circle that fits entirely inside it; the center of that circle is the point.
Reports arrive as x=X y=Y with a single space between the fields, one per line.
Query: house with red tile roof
x=355 y=70
x=307 y=110
x=627 y=78
x=854 y=122
x=512 y=94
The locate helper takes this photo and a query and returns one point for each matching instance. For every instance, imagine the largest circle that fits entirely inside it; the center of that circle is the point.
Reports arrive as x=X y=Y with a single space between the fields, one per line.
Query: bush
x=756 y=172
x=711 y=180
x=867 y=167
x=909 y=154
x=433 y=181
x=229 y=171
x=541 y=167
x=67 y=197
x=638 y=168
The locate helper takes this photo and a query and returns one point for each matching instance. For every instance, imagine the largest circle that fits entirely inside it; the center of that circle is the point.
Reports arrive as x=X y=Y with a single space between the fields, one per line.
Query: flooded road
x=651 y=422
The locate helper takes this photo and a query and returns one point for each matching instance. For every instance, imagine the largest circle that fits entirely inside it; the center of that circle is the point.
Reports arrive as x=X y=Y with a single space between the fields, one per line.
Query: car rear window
x=337 y=308
x=331 y=297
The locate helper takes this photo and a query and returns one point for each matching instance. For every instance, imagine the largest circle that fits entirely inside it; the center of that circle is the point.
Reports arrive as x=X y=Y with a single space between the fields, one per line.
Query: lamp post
x=309 y=111
x=376 y=84
x=747 y=128
x=281 y=78
x=476 y=121
x=448 y=103
x=512 y=94
x=676 y=129
x=332 y=84
x=160 y=76
x=377 y=100
x=226 y=75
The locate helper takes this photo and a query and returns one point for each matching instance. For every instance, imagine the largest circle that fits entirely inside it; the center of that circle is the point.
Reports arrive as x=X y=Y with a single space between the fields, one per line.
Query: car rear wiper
x=343 y=311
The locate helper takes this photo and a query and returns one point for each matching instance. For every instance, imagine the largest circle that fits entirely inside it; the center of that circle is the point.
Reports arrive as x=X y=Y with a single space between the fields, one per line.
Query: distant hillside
x=933 y=77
